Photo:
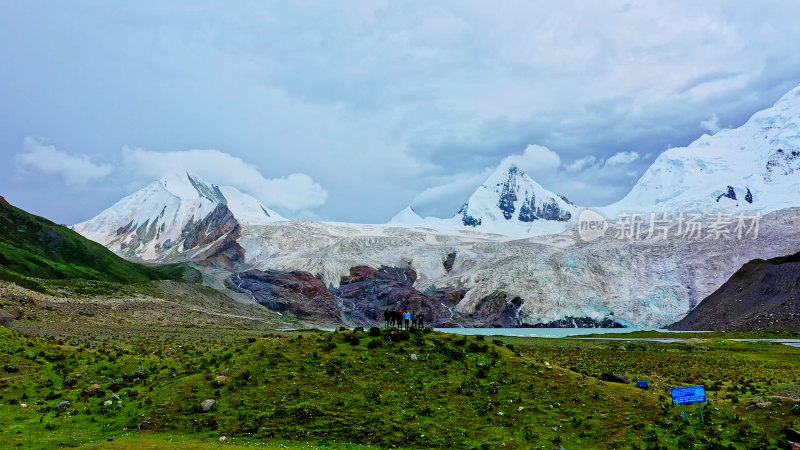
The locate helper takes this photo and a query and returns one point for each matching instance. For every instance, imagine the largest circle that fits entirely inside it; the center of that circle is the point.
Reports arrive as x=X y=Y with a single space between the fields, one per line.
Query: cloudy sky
x=352 y=110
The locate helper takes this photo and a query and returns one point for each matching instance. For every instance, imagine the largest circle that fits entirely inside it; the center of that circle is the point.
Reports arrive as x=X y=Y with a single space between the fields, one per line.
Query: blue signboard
x=643 y=384
x=688 y=394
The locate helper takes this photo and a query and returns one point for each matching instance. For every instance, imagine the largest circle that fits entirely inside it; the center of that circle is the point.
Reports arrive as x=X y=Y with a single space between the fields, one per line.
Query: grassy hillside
x=34 y=247
x=387 y=388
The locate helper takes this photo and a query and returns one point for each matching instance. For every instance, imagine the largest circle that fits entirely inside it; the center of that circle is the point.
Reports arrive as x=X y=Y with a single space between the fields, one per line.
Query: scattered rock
x=759 y=405
x=221 y=379
x=6 y=319
x=413 y=357
x=115 y=397
x=792 y=435
x=69 y=381
x=63 y=405
x=11 y=368
x=208 y=404
x=140 y=372
x=615 y=378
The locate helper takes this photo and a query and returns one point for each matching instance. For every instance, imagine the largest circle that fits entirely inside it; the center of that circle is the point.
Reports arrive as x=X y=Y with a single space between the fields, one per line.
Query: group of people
x=403 y=319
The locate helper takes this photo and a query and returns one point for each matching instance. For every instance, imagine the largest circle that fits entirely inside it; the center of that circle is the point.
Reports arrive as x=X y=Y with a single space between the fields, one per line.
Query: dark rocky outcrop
x=729 y=193
x=228 y=254
x=781 y=162
x=748 y=197
x=549 y=210
x=297 y=292
x=365 y=293
x=498 y=311
x=580 y=322
x=615 y=378
x=215 y=225
x=449 y=261
x=466 y=219
x=762 y=295
x=6 y=319
x=527 y=213
x=508 y=193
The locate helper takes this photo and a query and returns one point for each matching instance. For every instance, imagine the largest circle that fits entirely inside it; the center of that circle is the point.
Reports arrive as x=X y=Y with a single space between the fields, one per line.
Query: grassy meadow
x=382 y=388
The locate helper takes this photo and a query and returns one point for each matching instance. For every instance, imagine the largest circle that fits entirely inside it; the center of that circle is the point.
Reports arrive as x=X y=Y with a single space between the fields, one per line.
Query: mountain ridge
x=175 y=216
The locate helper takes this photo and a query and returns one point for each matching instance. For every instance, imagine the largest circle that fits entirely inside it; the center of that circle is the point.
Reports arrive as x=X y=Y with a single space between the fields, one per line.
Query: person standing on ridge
x=407 y=319
x=414 y=319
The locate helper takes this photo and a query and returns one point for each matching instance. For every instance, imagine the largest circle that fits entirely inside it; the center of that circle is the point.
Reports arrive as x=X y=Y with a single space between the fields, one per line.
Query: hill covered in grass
x=34 y=247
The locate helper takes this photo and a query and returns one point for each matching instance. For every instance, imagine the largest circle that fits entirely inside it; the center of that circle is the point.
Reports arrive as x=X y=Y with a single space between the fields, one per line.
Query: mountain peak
x=176 y=213
x=753 y=167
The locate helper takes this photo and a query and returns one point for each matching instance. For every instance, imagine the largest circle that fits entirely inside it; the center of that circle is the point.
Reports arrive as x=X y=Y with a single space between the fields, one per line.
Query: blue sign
x=643 y=384
x=689 y=394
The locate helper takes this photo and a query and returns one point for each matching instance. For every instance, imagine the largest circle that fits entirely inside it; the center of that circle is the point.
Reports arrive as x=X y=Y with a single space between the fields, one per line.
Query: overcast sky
x=351 y=110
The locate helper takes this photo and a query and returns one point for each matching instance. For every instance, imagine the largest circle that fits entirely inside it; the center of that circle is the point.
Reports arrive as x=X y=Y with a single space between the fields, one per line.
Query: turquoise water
x=541 y=332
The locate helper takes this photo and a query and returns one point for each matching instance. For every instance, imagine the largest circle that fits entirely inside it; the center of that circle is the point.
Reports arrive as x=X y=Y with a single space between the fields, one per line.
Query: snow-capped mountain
x=177 y=214
x=509 y=195
x=508 y=202
x=753 y=167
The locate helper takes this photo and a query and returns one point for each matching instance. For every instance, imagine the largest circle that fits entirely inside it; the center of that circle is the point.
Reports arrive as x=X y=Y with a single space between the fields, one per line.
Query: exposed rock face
x=209 y=229
x=6 y=319
x=781 y=162
x=297 y=292
x=228 y=254
x=499 y=311
x=729 y=193
x=580 y=322
x=449 y=261
x=762 y=295
x=365 y=293
x=508 y=193
x=466 y=219
x=3 y=200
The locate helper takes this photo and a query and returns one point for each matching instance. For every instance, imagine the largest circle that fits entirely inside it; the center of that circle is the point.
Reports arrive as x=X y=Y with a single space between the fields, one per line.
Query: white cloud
x=621 y=158
x=445 y=199
x=580 y=164
x=47 y=159
x=296 y=192
x=536 y=159
x=711 y=125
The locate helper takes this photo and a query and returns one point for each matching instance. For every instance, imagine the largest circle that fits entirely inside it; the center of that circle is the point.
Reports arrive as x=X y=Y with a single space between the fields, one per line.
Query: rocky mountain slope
x=762 y=295
x=177 y=217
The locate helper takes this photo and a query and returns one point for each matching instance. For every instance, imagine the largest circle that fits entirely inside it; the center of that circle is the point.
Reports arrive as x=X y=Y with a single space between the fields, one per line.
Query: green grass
x=317 y=389
x=33 y=247
x=702 y=335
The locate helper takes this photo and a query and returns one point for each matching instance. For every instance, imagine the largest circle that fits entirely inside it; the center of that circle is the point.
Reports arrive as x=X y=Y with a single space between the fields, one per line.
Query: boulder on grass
x=208 y=404
x=615 y=378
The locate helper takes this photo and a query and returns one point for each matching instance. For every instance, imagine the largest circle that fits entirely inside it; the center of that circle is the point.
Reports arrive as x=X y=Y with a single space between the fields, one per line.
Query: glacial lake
x=542 y=332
